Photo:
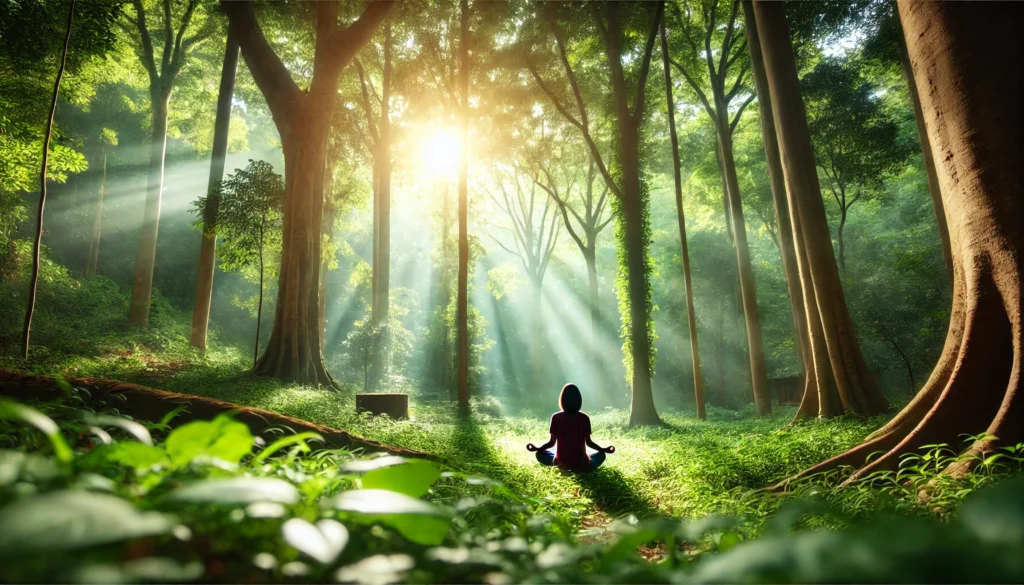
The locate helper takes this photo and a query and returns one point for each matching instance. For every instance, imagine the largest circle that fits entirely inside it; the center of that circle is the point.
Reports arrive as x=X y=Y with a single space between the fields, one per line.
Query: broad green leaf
x=11 y=410
x=300 y=439
x=68 y=519
x=135 y=455
x=133 y=428
x=238 y=490
x=222 y=438
x=323 y=542
x=412 y=478
x=367 y=465
x=418 y=521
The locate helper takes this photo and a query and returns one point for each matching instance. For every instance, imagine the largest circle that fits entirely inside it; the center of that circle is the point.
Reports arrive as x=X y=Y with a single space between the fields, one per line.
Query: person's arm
x=548 y=445
x=590 y=443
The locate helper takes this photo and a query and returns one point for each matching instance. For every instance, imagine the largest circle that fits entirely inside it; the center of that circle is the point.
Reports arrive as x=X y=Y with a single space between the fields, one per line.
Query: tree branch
x=146 y=55
x=739 y=112
x=347 y=41
x=284 y=98
x=645 y=67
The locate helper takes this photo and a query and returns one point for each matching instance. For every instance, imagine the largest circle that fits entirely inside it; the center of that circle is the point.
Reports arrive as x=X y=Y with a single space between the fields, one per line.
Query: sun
x=440 y=151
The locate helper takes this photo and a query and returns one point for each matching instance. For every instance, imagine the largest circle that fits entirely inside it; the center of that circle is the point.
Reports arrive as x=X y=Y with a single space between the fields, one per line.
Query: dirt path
x=150 y=404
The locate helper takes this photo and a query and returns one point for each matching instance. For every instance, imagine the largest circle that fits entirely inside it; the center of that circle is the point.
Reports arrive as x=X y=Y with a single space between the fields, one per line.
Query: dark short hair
x=570 y=400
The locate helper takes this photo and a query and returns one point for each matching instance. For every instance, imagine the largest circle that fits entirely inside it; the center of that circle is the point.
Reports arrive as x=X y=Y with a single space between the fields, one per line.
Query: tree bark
x=208 y=249
x=142 y=287
x=595 y=321
x=259 y=306
x=976 y=129
x=929 y=159
x=37 y=244
x=777 y=180
x=93 y=263
x=462 y=300
x=748 y=292
x=293 y=351
x=698 y=385
x=838 y=365
x=328 y=229
x=635 y=225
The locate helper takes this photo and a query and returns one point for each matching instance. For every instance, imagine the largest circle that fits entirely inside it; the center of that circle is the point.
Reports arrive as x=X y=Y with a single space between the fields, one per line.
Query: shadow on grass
x=612 y=493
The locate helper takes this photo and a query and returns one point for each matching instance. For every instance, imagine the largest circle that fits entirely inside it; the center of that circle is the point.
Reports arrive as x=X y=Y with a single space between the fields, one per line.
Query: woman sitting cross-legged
x=570 y=430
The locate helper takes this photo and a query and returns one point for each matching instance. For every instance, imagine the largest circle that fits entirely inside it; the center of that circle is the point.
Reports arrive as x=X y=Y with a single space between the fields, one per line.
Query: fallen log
x=149 y=404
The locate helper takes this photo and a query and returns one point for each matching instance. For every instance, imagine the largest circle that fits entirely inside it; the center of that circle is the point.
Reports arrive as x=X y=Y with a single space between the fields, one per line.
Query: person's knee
x=545 y=457
x=597 y=459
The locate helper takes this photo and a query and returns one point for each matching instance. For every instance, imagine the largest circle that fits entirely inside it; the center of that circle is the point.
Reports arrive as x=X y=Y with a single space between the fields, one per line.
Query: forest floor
x=686 y=468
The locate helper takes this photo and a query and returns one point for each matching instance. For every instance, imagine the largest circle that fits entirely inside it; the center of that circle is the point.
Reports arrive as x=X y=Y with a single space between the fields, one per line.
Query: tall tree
x=784 y=224
x=726 y=79
x=625 y=179
x=163 y=71
x=37 y=243
x=976 y=130
x=583 y=215
x=691 y=316
x=835 y=363
x=208 y=249
x=303 y=120
x=534 y=234
x=462 y=294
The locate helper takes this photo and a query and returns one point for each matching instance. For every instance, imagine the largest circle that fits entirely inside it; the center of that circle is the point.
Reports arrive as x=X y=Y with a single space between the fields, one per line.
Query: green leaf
x=367 y=465
x=222 y=438
x=727 y=541
x=418 y=521
x=323 y=542
x=283 y=442
x=238 y=490
x=11 y=410
x=138 y=456
x=68 y=519
x=133 y=428
x=412 y=478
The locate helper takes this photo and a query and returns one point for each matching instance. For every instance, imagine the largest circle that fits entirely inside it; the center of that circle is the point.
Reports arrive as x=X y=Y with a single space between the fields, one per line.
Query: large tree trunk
x=976 y=130
x=835 y=356
x=698 y=385
x=462 y=300
x=93 y=263
x=778 y=185
x=929 y=159
x=748 y=293
x=293 y=351
x=38 y=243
x=142 y=287
x=208 y=249
x=328 y=229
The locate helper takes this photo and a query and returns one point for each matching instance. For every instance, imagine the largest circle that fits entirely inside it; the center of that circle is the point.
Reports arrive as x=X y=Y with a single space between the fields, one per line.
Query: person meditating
x=570 y=429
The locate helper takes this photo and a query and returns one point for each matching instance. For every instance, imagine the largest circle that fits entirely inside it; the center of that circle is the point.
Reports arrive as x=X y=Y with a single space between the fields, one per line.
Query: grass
x=686 y=468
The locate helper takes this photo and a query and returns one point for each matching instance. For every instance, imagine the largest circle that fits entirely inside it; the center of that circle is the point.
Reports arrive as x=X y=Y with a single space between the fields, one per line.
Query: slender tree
x=835 y=356
x=462 y=300
x=691 y=316
x=93 y=259
x=725 y=119
x=969 y=104
x=163 y=71
x=208 y=249
x=534 y=232
x=38 y=242
x=303 y=119
x=583 y=215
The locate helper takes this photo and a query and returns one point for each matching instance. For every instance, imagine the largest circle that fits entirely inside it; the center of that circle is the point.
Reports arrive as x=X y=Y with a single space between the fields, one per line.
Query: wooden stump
x=393 y=404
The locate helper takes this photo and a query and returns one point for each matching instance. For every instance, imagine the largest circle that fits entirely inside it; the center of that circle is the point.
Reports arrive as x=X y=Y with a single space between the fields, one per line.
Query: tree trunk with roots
x=841 y=379
x=691 y=317
x=93 y=262
x=777 y=180
x=208 y=249
x=975 y=127
x=294 y=350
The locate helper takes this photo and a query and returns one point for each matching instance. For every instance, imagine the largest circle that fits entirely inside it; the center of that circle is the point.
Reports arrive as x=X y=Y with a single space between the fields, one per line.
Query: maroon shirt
x=571 y=431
